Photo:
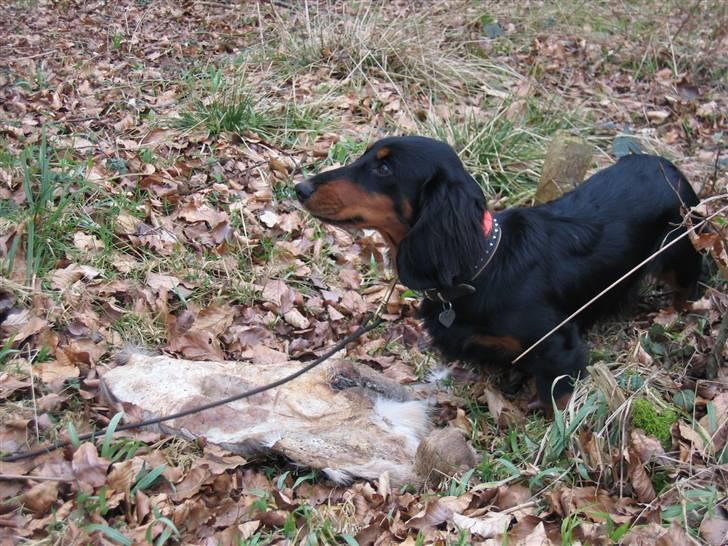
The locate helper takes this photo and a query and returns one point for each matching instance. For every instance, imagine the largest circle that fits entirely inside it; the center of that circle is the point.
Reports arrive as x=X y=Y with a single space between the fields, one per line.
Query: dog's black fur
x=551 y=258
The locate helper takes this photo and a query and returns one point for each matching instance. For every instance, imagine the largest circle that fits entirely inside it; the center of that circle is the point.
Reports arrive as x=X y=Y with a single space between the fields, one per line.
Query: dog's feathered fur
x=551 y=259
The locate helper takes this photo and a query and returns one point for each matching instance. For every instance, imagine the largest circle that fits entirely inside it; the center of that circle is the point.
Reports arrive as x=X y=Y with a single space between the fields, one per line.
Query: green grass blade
x=109 y=435
x=112 y=534
x=73 y=435
x=148 y=479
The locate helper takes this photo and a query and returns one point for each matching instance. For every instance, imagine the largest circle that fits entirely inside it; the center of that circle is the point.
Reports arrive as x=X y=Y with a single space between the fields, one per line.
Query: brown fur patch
x=382 y=152
x=406 y=210
x=680 y=295
x=343 y=200
x=548 y=410
x=504 y=343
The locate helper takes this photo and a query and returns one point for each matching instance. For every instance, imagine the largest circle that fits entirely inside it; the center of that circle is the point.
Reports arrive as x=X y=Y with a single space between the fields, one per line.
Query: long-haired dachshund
x=494 y=283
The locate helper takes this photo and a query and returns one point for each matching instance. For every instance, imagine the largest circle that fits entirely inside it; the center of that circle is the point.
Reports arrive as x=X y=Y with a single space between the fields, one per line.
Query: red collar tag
x=487 y=223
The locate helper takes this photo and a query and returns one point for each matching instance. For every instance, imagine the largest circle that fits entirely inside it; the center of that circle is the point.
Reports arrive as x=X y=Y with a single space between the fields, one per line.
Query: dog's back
x=645 y=186
x=633 y=208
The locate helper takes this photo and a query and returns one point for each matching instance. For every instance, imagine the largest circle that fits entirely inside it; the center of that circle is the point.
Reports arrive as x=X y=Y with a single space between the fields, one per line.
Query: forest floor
x=148 y=152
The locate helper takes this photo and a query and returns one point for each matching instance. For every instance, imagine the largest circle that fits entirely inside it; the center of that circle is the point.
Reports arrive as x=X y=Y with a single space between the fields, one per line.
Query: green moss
x=654 y=423
x=660 y=481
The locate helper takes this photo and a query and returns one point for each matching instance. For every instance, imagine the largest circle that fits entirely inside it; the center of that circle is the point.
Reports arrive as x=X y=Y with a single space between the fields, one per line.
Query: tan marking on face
x=504 y=343
x=382 y=152
x=406 y=210
x=342 y=200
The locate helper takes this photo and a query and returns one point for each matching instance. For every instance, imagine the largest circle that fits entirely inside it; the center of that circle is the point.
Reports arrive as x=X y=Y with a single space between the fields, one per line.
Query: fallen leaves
x=214 y=319
x=654 y=534
x=565 y=501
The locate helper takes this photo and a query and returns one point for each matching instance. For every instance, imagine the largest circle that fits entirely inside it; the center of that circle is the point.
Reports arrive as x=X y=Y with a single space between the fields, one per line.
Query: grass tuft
x=503 y=151
x=52 y=188
x=226 y=100
x=359 y=44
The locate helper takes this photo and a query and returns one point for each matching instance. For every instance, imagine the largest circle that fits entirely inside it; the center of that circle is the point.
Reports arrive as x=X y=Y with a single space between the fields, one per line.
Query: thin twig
x=684 y=21
x=35 y=403
x=714 y=177
x=716 y=355
x=28 y=57
x=518 y=507
x=12 y=477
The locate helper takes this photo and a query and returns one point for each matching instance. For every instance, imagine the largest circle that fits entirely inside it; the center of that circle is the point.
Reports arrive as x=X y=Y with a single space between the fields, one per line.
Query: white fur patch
x=408 y=419
x=439 y=374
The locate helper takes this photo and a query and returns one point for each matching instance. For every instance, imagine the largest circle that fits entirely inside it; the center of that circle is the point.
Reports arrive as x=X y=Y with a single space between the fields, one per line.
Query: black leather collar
x=451 y=293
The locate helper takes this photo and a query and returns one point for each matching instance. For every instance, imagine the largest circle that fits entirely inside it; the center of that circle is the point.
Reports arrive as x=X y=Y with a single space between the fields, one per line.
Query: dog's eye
x=382 y=170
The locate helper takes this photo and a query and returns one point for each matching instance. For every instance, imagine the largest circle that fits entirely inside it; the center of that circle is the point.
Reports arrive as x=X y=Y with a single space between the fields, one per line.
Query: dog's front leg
x=555 y=364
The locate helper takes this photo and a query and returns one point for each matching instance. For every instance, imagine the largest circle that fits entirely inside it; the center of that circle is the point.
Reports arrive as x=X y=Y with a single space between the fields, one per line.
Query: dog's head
x=417 y=194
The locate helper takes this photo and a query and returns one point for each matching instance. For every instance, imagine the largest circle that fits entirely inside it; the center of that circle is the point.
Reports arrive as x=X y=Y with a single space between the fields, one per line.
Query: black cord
x=365 y=327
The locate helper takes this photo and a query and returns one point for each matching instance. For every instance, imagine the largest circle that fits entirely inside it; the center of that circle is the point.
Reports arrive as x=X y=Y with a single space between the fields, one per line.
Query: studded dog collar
x=446 y=295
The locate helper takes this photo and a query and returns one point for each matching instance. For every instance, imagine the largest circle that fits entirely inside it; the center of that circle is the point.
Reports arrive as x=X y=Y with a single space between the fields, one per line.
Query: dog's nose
x=304 y=190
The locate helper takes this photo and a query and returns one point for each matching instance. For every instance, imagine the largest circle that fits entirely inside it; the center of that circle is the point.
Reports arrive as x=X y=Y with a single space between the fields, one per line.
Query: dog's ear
x=446 y=240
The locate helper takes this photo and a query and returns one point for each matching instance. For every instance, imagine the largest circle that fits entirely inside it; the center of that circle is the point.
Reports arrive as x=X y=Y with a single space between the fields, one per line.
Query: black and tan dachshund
x=494 y=283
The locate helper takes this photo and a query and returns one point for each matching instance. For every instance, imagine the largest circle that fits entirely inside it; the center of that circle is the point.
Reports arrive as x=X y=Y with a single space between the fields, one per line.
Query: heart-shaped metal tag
x=446 y=317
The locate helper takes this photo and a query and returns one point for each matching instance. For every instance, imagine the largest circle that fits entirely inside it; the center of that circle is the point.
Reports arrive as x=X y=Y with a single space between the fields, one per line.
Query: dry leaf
x=675 y=536
x=265 y=355
x=492 y=525
x=646 y=447
x=692 y=436
x=158 y=281
x=503 y=411
x=197 y=345
x=510 y=496
x=658 y=116
x=529 y=531
x=279 y=294
x=296 y=319
x=279 y=165
x=62 y=279
x=714 y=528
x=88 y=468
x=641 y=483
x=122 y=474
x=41 y=497
x=269 y=218
x=125 y=223
x=192 y=482
x=214 y=319
x=55 y=370
x=567 y=500
x=436 y=512
x=23 y=325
